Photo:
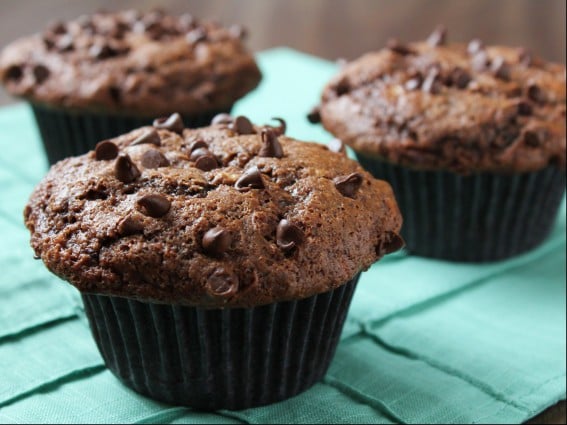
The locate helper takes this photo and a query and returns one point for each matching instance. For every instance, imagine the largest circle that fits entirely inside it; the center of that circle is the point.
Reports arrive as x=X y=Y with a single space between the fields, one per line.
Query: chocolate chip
x=206 y=163
x=195 y=36
x=524 y=108
x=155 y=206
x=242 y=125
x=536 y=94
x=288 y=235
x=251 y=179
x=125 y=170
x=238 y=31
x=105 y=150
x=392 y=242
x=431 y=84
x=399 y=48
x=314 y=116
x=222 y=118
x=412 y=84
x=438 y=37
x=348 y=185
x=475 y=46
x=172 y=123
x=198 y=144
x=216 y=241
x=525 y=57
x=40 y=73
x=130 y=225
x=460 y=78
x=342 y=87
x=198 y=152
x=65 y=43
x=147 y=137
x=14 y=73
x=271 y=147
x=533 y=138
x=280 y=130
x=154 y=159
x=102 y=51
x=501 y=69
x=48 y=42
x=57 y=28
x=220 y=283
x=337 y=146
x=480 y=61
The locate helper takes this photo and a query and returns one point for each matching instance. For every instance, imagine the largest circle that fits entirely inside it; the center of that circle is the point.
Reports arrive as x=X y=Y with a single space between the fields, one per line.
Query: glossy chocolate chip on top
x=444 y=105
x=267 y=220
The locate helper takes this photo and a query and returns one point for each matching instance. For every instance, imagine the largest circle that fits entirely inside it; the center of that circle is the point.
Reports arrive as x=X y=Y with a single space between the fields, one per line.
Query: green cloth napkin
x=425 y=341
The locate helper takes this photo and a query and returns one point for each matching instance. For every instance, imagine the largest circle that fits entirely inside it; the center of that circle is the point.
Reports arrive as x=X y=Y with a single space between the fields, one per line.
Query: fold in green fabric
x=425 y=341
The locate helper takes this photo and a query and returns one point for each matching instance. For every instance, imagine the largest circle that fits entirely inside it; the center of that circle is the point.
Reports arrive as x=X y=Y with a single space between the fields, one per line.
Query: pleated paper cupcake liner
x=69 y=133
x=477 y=218
x=219 y=358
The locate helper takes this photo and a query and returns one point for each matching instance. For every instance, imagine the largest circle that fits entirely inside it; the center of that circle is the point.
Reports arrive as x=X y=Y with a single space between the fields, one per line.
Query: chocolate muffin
x=217 y=264
x=102 y=75
x=471 y=137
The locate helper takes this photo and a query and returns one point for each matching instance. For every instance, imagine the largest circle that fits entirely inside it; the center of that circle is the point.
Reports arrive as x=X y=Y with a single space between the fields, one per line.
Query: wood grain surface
x=337 y=29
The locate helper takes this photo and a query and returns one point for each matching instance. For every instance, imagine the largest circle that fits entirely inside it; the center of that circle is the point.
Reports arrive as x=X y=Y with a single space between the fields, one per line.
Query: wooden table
x=339 y=29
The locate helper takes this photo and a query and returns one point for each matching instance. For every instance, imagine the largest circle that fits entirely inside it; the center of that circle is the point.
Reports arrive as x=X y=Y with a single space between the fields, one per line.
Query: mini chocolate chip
x=524 y=108
x=399 y=48
x=480 y=61
x=40 y=73
x=48 y=42
x=150 y=136
x=206 y=163
x=154 y=159
x=460 y=78
x=501 y=69
x=14 y=73
x=271 y=147
x=533 y=138
x=314 y=116
x=242 y=125
x=65 y=43
x=525 y=57
x=57 y=28
x=536 y=94
x=392 y=242
x=125 y=170
x=475 y=46
x=238 y=31
x=198 y=152
x=250 y=179
x=412 y=84
x=431 y=84
x=102 y=51
x=438 y=37
x=197 y=35
x=130 y=225
x=342 y=87
x=172 y=123
x=280 y=130
x=155 y=206
x=216 y=241
x=288 y=235
x=222 y=118
x=220 y=283
x=337 y=146
x=198 y=144
x=105 y=150
x=348 y=185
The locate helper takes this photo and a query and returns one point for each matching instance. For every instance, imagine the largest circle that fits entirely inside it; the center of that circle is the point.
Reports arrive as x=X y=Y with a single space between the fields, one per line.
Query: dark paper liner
x=477 y=218
x=219 y=358
x=69 y=133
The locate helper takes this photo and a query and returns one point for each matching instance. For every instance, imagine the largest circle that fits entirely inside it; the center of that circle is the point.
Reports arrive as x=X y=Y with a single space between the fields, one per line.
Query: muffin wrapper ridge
x=69 y=133
x=219 y=358
x=476 y=218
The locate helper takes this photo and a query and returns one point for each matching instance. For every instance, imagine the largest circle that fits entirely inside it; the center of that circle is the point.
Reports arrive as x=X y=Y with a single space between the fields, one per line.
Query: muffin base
x=69 y=133
x=219 y=358
x=476 y=218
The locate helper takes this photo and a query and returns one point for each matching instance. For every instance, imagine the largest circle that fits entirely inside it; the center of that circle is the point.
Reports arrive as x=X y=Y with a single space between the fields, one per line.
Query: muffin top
x=132 y=63
x=459 y=107
x=229 y=215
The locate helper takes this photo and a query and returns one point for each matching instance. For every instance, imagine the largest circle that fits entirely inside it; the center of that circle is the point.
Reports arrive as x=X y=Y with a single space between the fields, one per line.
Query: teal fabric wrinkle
x=425 y=341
